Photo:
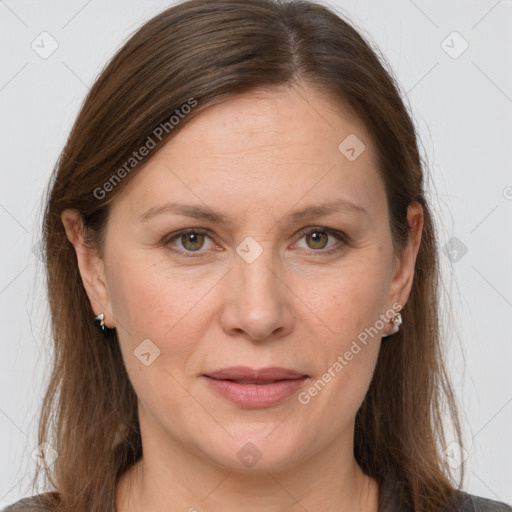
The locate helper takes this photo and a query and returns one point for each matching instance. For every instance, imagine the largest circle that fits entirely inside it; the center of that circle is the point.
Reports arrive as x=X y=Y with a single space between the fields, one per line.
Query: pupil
x=192 y=238
x=316 y=236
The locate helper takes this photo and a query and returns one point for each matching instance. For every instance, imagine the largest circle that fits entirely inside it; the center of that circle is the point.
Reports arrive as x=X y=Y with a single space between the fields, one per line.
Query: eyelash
x=342 y=237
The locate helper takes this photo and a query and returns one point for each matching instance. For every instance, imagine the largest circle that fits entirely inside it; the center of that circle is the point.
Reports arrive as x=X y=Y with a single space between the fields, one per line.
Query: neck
x=175 y=477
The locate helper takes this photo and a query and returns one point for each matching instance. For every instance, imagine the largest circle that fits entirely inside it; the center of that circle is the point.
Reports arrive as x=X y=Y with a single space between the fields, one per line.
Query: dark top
x=390 y=500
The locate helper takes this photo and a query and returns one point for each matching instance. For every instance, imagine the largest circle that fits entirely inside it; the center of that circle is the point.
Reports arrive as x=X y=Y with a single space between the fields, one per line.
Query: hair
x=207 y=52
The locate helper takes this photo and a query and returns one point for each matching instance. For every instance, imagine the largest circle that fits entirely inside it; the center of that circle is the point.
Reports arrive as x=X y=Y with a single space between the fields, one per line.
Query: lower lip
x=256 y=395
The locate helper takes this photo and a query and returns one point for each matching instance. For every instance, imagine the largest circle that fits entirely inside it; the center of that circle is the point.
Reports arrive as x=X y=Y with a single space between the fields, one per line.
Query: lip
x=261 y=374
x=255 y=388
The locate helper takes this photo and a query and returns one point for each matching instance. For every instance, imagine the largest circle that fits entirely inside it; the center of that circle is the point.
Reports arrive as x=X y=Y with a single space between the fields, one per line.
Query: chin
x=259 y=448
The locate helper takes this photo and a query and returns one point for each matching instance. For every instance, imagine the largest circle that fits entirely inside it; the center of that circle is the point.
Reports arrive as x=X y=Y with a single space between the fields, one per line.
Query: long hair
x=199 y=53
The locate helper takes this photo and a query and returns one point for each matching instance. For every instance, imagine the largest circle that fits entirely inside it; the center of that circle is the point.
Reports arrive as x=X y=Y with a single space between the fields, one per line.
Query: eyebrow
x=207 y=214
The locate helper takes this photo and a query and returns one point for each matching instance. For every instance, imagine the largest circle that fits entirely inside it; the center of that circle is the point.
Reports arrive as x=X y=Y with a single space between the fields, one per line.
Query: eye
x=191 y=240
x=317 y=239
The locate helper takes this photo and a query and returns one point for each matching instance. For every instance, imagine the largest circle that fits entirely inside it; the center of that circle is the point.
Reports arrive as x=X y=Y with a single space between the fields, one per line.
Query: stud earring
x=397 y=322
x=99 y=320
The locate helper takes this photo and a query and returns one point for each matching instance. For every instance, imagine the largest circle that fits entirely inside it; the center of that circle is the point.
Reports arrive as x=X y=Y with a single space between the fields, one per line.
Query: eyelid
x=176 y=235
x=339 y=235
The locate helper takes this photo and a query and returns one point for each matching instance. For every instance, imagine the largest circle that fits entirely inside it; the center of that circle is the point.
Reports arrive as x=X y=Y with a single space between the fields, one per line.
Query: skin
x=256 y=157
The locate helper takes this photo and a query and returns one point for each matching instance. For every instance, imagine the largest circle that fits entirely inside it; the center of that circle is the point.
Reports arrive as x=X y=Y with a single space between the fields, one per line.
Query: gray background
x=462 y=105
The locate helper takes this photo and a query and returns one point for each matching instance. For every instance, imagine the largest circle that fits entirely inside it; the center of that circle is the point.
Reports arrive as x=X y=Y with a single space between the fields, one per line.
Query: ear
x=403 y=273
x=91 y=266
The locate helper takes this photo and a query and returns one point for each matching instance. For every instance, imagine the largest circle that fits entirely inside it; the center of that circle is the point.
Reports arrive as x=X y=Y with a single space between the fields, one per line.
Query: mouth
x=257 y=382
x=250 y=388
x=252 y=375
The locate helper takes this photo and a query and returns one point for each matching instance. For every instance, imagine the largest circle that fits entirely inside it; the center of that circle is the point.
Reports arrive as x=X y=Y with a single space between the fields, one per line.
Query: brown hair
x=208 y=52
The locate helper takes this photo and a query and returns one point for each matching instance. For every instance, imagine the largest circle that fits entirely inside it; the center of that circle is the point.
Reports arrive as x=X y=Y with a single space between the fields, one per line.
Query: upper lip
x=252 y=374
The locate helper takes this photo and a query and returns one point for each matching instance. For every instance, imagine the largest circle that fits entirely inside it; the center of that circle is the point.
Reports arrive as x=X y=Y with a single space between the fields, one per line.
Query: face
x=287 y=262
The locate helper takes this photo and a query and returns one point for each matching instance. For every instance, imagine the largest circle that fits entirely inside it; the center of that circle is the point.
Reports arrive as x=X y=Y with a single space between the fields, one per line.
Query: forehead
x=284 y=121
x=271 y=146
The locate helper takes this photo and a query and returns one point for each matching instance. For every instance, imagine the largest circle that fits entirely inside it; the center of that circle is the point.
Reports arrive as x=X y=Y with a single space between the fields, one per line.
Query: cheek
x=150 y=305
x=150 y=298
x=351 y=306
x=355 y=295
x=348 y=360
x=171 y=307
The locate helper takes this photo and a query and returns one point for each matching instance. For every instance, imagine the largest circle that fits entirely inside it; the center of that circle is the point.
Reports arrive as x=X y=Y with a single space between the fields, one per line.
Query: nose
x=257 y=302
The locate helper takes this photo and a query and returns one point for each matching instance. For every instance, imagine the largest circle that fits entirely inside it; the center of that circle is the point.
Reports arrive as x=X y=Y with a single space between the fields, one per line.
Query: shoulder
x=45 y=502
x=470 y=503
x=394 y=498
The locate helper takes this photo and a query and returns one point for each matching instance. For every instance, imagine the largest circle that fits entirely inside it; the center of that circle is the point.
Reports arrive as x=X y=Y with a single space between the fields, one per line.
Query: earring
x=397 y=322
x=99 y=320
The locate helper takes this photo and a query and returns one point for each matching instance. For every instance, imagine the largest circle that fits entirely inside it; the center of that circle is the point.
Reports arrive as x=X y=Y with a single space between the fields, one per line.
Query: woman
x=242 y=274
